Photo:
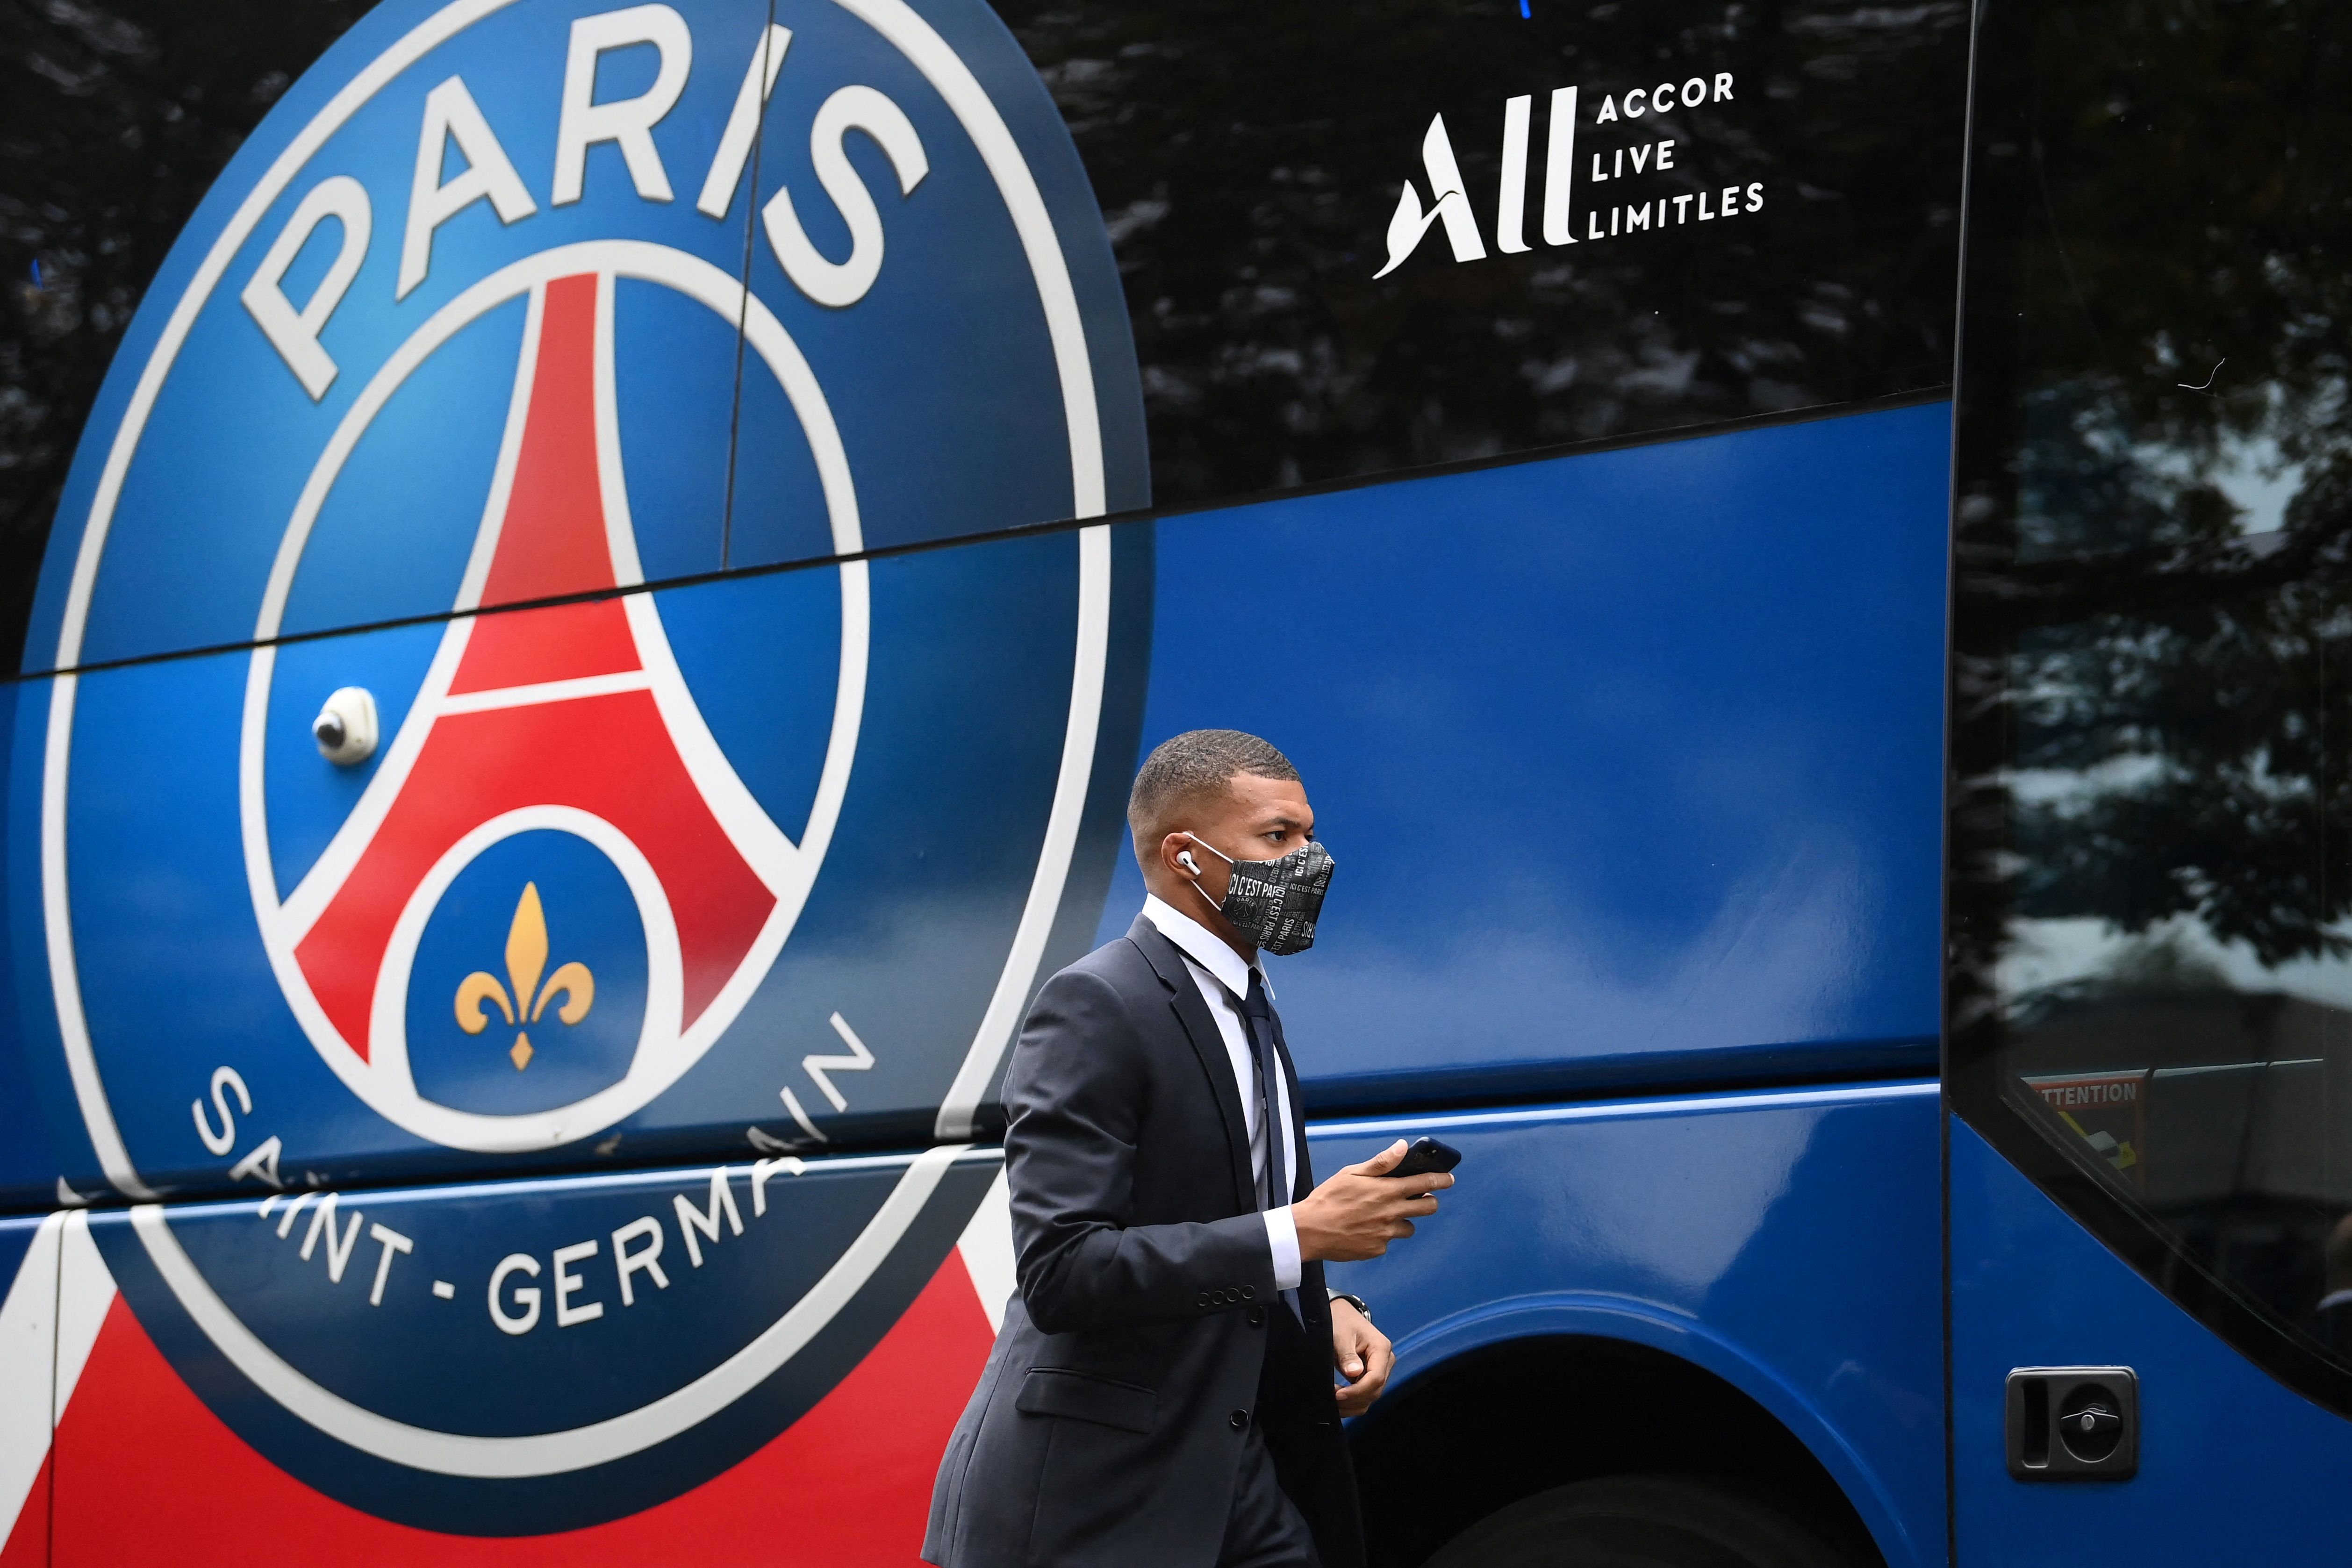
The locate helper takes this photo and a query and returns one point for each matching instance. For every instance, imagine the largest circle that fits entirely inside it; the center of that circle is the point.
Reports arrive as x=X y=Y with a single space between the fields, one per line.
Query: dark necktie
x=1257 y=1019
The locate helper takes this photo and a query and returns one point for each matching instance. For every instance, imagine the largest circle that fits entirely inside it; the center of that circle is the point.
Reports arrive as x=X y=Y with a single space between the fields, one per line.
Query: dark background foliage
x=114 y=120
x=2161 y=263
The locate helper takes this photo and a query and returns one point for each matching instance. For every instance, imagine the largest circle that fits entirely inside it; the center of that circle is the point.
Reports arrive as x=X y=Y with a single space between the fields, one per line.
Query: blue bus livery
x=583 y=649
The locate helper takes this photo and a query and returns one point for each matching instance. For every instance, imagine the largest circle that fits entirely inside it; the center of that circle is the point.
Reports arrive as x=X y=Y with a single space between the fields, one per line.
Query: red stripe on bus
x=848 y=1486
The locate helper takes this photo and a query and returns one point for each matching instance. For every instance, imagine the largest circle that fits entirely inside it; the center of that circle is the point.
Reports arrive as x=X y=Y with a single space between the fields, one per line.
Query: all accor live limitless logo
x=1450 y=202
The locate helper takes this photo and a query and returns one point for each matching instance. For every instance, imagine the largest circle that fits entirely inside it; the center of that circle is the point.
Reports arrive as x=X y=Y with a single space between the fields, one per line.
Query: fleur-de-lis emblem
x=526 y=958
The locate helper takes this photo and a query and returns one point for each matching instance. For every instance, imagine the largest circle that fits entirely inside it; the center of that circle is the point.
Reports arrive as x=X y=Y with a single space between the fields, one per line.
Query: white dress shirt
x=1223 y=980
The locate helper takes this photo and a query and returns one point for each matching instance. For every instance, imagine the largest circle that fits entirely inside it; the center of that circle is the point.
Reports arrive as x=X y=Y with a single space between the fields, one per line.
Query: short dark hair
x=1187 y=768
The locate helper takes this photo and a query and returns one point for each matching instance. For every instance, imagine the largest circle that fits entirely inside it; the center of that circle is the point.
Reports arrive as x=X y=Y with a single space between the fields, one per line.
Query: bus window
x=113 y=125
x=1354 y=242
x=1670 y=214
x=2151 y=899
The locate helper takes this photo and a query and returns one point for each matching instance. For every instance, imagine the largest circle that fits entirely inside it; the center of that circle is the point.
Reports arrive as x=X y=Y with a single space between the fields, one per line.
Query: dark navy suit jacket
x=1148 y=1336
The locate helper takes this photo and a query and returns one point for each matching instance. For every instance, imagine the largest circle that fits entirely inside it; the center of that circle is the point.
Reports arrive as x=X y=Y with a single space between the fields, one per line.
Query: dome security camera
x=345 y=728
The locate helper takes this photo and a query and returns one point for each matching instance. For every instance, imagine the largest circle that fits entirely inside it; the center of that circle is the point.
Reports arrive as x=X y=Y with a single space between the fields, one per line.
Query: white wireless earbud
x=1184 y=858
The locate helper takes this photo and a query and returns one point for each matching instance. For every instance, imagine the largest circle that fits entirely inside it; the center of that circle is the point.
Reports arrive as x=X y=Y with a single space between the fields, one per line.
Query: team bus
x=587 y=579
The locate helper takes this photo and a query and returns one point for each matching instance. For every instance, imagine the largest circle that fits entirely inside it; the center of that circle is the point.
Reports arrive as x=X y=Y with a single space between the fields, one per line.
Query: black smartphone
x=1427 y=1157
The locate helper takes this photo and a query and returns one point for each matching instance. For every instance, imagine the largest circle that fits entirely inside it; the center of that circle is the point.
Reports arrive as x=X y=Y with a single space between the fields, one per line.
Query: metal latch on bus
x=2073 y=1423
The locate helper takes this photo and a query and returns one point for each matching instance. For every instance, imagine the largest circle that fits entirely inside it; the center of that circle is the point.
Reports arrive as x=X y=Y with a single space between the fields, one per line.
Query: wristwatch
x=1356 y=1301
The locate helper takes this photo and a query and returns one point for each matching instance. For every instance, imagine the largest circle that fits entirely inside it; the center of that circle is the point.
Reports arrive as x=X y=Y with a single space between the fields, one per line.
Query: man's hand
x=1363 y=1355
x=1356 y=1214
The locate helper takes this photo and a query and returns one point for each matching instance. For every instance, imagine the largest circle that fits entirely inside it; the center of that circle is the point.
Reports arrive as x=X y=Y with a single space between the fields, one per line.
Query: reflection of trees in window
x=2162 y=679
x=2153 y=612
x=1247 y=157
x=114 y=118
x=2153 y=578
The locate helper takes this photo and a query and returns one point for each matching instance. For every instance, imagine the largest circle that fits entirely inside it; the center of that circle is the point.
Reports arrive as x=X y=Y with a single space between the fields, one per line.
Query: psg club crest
x=571 y=720
x=519 y=706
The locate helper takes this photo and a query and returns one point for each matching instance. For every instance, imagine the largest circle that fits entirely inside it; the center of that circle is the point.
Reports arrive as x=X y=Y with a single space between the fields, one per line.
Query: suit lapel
x=1192 y=1015
x=1302 y=1176
x=1302 y=1179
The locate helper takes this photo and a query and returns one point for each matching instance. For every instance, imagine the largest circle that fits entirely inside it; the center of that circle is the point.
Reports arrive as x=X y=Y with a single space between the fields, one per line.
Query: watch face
x=517 y=720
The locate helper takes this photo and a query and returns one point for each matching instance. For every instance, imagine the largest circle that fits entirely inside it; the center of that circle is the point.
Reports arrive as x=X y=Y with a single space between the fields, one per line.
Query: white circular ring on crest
x=915 y=38
x=665 y=975
x=379 y=1076
x=560 y=1452
x=578 y=1447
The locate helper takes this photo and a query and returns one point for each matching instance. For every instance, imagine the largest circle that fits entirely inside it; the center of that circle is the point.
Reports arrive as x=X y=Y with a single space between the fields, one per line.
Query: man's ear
x=1185 y=860
x=1176 y=855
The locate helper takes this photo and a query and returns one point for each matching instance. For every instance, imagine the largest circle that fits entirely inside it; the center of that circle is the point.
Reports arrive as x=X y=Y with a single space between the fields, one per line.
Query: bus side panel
x=29 y=1168
x=28 y=1297
x=213 y=1019
x=2222 y=1445
x=1783 y=1240
x=1631 y=760
x=827 y=1460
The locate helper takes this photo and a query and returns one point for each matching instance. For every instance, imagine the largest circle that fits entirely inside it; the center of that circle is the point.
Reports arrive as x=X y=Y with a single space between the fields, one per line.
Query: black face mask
x=1273 y=903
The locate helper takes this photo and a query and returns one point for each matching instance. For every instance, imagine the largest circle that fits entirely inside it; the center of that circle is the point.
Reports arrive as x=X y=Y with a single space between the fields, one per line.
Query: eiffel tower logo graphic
x=570 y=716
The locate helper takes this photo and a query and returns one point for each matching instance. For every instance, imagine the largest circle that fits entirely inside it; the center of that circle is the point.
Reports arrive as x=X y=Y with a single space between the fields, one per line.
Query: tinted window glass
x=2150 y=887
x=1781 y=236
x=1743 y=210
x=113 y=120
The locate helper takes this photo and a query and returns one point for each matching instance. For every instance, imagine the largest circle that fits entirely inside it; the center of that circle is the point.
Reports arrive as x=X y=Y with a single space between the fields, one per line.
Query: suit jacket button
x=1249 y=1293
x=1202 y=1300
x=1258 y=1317
x=1237 y=1420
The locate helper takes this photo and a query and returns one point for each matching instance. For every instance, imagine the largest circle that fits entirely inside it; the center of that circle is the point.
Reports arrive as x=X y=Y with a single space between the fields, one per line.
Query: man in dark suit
x=1161 y=1395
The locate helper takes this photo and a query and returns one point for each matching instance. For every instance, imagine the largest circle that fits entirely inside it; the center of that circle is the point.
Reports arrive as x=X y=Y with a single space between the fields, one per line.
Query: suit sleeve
x=1075 y=1098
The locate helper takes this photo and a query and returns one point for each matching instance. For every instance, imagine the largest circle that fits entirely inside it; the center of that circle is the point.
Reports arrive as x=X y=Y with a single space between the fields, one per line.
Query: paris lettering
x=453 y=125
x=1666 y=194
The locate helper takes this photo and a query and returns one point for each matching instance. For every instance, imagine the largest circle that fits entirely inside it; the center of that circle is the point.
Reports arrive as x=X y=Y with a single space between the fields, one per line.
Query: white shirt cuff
x=1282 y=1235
